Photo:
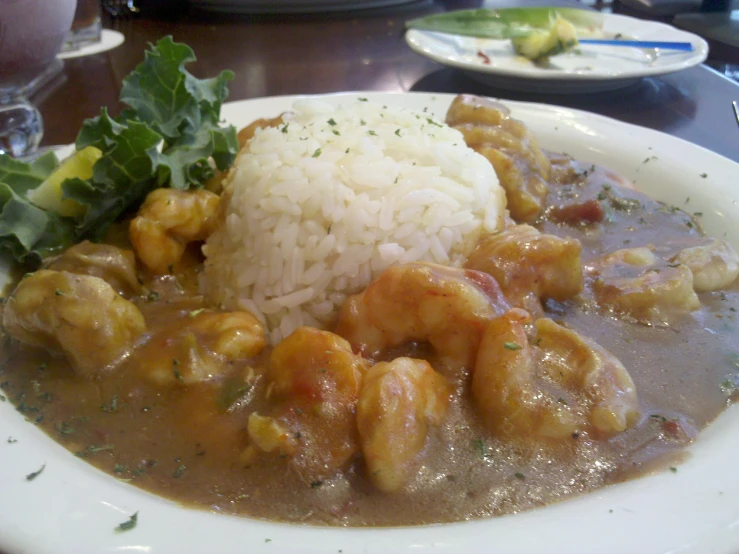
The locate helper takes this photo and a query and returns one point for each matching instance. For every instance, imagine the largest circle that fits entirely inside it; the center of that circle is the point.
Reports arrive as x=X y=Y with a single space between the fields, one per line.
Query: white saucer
x=109 y=39
x=292 y=6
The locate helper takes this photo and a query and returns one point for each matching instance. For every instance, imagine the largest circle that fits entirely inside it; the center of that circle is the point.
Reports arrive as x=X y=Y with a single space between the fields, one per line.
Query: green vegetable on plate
x=535 y=32
x=169 y=135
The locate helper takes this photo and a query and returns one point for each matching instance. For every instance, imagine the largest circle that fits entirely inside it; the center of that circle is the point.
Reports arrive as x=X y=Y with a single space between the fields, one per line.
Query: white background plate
x=596 y=68
x=109 y=39
x=73 y=508
x=292 y=6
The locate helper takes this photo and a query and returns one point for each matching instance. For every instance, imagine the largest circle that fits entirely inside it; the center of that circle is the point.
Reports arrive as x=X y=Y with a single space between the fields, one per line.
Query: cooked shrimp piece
x=525 y=262
x=580 y=364
x=640 y=256
x=398 y=402
x=714 y=265
x=446 y=307
x=523 y=169
x=199 y=348
x=114 y=265
x=79 y=316
x=313 y=383
x=508 y=390
x=167 y=221
x=565 y=383
x=633 y=281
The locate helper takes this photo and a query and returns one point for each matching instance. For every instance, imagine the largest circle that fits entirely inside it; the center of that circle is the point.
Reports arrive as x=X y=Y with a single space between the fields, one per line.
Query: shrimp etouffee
x=585 y=343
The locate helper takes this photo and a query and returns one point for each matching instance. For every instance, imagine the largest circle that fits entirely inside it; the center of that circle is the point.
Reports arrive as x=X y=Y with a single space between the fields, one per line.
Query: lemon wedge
x=48 y=195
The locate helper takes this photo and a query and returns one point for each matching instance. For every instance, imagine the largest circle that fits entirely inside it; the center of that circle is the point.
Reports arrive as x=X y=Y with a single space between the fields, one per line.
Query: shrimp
x=398 y=402
x=447 y=307
x=248 y=132
x=79 y=316
x=114 y=265
x=526 y=263
x=564 y=385
x=714 y=265
x=167 y=221
x=200 y=348
x=215 y=183
x=634 y=282
x=523 y=169
x=313 y=384
x=581 y=365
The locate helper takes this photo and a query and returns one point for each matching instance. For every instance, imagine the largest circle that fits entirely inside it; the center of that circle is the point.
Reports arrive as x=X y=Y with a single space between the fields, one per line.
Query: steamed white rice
x=316 y=208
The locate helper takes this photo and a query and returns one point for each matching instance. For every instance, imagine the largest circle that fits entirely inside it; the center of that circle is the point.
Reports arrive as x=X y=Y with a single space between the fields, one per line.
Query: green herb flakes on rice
x=315 y=209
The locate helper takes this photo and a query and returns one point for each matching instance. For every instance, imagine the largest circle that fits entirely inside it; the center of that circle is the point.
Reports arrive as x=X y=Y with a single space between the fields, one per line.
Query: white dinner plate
x=73 y=508
x=292 y=6
x=588 y=69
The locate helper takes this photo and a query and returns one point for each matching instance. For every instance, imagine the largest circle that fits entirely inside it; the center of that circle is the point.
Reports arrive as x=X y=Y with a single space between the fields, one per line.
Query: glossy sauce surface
x=187 y=443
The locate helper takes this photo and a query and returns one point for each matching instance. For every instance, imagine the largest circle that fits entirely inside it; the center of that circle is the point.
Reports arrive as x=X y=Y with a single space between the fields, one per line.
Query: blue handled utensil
x=682 y=46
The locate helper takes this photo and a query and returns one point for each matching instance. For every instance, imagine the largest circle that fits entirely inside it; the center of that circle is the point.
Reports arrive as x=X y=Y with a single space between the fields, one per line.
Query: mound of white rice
x=317 y=207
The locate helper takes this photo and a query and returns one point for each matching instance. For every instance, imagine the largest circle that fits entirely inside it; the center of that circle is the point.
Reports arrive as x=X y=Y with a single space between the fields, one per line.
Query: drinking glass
x=31 y=34
x=86 y=26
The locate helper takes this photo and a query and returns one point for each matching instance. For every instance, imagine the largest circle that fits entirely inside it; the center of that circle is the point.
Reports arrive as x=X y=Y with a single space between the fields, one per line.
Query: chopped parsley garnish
x=480 y=446
x=316 y=484
x=371 y=132
x=128 y=525
x=58 y=292
x=334 y=131
x=179 y=471
x=512 y=346
x=331 y=122
x=284 y=127
x=362 y=99
x=704 y=175
x=176 y=372
x=196 y=313
x=64 y=428
x=397 y=132
x=113 y=406
x=33 y=475
x=92 y=449
x=432 y=122
x=673 y=469
x=118 y=468
x=317 y=153
x=520 y=475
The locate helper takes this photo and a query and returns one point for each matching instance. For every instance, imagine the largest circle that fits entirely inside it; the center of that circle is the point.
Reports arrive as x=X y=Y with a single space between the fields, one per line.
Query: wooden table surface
x=275 y=55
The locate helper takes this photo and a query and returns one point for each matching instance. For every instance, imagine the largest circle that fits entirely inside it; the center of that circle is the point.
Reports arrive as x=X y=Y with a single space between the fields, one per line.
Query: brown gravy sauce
x=186 y=443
